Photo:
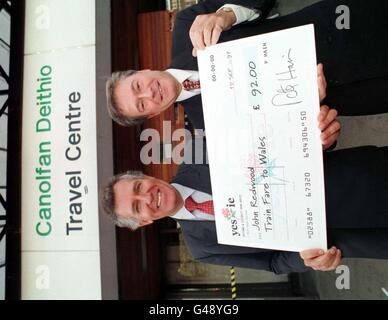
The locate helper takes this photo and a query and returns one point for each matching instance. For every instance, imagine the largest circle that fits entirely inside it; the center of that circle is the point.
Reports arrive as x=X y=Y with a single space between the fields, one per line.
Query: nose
x=145 y=197
x=148 y=92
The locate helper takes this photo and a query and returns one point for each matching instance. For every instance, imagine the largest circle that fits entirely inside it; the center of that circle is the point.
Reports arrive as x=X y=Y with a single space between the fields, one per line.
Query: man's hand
x=320 y=260
x=206 y=28
x=322 y=84
x=329 y=126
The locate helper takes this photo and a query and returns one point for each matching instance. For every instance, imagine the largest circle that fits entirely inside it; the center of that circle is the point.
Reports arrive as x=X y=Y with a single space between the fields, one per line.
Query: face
x=146 y=93
x=146 y=199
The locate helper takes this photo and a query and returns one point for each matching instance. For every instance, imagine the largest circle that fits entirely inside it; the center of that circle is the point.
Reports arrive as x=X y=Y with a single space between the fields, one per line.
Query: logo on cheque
x=230 y=214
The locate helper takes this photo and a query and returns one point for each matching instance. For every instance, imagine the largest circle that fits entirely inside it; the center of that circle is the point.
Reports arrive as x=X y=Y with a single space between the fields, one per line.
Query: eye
x=138 y=186
x=138 y=86
x=137 y=207
x=140 y=105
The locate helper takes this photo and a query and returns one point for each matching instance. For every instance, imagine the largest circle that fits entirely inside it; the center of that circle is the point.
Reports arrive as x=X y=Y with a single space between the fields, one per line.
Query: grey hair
x=111 y=101
x=107 y=197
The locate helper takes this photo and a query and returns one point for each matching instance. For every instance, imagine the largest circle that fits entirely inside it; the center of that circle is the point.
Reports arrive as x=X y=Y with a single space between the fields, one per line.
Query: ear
x=145 y=223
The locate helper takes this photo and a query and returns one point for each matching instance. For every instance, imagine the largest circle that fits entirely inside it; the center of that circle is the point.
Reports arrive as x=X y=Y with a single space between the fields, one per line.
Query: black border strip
x=13 y=241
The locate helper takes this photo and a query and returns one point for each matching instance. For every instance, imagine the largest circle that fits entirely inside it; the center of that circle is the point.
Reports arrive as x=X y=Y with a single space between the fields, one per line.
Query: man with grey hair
x=134 y=96
x=109 y=199
x=354 y=59
x=114 y=109
x=355 y=182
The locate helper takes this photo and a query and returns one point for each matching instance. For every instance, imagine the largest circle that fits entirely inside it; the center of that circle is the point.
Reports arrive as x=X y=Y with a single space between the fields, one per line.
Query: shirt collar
x=185 y=192
x=180 y=76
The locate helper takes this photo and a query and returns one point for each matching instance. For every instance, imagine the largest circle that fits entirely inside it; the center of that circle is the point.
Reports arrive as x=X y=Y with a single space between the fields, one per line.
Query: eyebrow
x=133 y=202
x=132 y=85
x=137 y=100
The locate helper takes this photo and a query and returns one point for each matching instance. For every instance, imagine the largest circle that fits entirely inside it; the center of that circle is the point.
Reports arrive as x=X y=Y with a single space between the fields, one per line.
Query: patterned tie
x=191 y=85
x=206 y=206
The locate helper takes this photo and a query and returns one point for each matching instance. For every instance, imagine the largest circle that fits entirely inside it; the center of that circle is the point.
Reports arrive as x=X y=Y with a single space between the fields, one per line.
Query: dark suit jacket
x=356 y=206
x=201 y=236
x=354 y=60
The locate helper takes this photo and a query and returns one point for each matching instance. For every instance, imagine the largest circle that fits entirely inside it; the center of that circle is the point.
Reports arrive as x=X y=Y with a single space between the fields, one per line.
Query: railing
x=5 y=9
x=12 y=109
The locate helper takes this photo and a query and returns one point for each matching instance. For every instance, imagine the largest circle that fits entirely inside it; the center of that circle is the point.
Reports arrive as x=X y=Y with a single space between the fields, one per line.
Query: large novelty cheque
x=261 y=104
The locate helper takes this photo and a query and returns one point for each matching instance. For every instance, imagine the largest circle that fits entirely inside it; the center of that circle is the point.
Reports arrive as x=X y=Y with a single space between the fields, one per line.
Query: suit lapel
x=184 y=61
x=193 y=109
x=194 y=176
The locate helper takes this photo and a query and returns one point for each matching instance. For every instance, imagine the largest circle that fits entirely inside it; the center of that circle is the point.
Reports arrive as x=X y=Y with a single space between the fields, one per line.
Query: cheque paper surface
x=261 y=104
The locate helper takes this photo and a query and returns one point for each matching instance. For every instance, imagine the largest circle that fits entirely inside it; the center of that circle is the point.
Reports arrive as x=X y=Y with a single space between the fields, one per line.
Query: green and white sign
x=60 y=234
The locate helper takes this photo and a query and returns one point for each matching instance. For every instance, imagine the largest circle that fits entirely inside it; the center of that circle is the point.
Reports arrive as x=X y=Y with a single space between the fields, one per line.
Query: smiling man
x=142 y=199
x=356 y=208
x=130 y=105
x=142 y=94
x=354 y=59
x=137 y=95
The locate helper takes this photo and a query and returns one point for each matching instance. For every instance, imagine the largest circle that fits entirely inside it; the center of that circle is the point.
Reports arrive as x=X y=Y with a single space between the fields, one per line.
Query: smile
x=160 y=91
x=159 y=200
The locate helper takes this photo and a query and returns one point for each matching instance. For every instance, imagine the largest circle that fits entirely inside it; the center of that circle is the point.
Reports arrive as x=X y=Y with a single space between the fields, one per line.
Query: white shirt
x=197 y=196
x=242 y=13
x=182 y=75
